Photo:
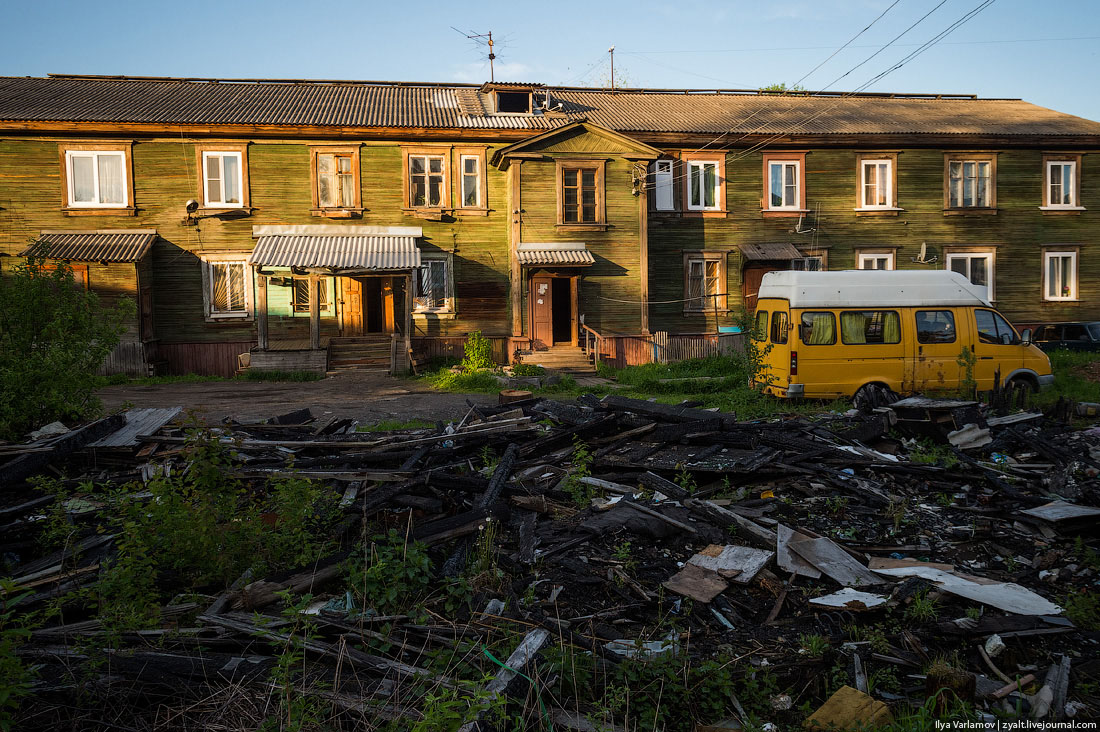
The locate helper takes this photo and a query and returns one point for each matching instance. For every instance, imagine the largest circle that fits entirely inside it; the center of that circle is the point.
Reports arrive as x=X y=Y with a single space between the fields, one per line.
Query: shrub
x=477 y=352
x=54 y=336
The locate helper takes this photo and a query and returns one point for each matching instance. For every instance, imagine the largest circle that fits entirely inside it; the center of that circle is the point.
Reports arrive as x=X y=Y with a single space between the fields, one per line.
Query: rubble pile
x=608 y=564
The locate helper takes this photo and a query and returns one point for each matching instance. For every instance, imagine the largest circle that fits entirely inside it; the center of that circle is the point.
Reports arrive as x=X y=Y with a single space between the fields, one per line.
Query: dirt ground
x=365 y=396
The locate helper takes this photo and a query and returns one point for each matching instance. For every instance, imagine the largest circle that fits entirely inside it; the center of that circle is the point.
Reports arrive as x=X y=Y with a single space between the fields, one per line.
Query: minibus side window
x=779 y=327
x=818 y=329
x=935 y=326
x=992 y=328
x=760 y=332
x=870 y=326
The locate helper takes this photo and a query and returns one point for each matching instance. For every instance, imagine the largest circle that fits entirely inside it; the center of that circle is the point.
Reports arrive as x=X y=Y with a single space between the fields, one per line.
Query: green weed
x=581 y=493
x=394 y=425
x=1083 y=608
x=814 y=646
x=392 y=575
x=15 y=676
x=477 y=353
x=923 y=609
x=277 y=375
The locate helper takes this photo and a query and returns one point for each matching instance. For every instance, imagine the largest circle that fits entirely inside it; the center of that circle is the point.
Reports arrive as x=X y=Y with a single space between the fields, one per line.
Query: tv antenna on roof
x=489 y=41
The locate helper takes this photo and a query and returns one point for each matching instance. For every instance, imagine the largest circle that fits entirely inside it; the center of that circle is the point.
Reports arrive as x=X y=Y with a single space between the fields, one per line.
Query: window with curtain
x=876 y=180
x=1061 y=184
x=783 y=184
x=301 y=294
x=935 y=326
x=970 y=183
x=978 y=268
x=818 y=329
x=222 y=181
x=1060 y=275
x=870 y=326
x=335 y=181
x=703 y=188
x=471 y=181
x=96 y=178
x=425 y=180
x=779 y=327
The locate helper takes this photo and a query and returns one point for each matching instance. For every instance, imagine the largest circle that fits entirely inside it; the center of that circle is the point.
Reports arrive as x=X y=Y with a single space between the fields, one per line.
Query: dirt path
x=366 y=397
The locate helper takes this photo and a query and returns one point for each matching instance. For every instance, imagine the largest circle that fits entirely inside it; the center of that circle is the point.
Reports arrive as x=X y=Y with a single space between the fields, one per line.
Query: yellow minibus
x=829 y=334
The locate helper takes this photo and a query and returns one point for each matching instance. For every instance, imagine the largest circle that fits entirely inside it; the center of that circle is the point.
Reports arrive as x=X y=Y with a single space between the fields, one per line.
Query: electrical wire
x=857 y=35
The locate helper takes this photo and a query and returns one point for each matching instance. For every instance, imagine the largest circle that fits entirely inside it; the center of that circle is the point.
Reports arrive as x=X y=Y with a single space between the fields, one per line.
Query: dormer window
x=513 y=102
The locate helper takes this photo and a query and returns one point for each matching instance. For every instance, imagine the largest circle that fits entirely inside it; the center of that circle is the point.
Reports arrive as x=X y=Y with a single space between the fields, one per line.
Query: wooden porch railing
x=592 y=344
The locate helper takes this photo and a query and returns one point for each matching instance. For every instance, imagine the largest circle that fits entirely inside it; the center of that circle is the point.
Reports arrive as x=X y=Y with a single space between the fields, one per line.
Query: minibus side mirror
x=1025 y=337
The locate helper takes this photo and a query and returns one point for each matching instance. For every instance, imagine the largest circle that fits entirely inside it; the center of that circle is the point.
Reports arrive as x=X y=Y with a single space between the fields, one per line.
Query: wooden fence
x=661 y=347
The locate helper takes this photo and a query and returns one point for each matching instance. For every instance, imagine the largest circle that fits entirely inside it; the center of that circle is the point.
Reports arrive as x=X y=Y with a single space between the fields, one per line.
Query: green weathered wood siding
x=1019 y=230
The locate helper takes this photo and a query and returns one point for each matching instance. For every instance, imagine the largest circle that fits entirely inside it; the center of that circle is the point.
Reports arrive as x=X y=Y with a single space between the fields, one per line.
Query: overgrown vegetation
x=477 y=353
x=15 y=675
x=582 y=493
x=393 y=425
x=54 y=336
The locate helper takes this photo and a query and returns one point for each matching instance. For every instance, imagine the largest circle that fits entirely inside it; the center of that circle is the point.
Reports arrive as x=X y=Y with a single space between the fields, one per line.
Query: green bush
x=477 y=353
x=527 y=369
x=392 y=576
x=54 y=336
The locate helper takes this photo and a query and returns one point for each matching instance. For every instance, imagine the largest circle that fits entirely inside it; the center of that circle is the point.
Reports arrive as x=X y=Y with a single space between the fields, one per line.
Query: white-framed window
x=875 y=260
x=815 y=263
x=974 y=266
x=426 y=178
x=1061 y=188
x=433 y=286
x=970 y=183
x=783 y=181
x=96 y=178
x=223 y=179
x=471 y=181
x=227 y=287
x=335 y=181
x=703 y=185
x=876 y=180
x=1059 y=275
x=663 y=199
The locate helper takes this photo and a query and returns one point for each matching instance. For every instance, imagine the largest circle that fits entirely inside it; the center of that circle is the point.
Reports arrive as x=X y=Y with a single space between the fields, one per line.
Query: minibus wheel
x=1016 y=381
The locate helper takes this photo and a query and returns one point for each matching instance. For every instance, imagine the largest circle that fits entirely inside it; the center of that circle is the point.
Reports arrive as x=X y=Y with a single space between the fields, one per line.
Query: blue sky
x=1044 y=51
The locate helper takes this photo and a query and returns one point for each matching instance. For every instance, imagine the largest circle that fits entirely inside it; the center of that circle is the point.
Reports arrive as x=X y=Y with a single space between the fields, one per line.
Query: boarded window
x=818 y=329
x=858 y=327
x=935 y=326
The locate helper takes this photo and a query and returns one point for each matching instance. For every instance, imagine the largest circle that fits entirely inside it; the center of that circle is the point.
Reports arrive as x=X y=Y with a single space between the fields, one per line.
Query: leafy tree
x=54 y=335
x=782 y=87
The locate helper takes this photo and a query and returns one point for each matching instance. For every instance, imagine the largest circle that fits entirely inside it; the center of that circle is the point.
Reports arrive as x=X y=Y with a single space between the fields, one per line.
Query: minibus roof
x=871 y=288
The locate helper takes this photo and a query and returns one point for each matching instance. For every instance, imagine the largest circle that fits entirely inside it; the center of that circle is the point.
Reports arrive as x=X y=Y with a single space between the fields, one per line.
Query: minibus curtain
x=822 y=332
x=853 y=327
x=891 y=328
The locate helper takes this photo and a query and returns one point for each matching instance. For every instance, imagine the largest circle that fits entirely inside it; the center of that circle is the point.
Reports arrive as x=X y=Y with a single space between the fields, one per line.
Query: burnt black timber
x=671 y=412
x=24 y=466
x=562 y=438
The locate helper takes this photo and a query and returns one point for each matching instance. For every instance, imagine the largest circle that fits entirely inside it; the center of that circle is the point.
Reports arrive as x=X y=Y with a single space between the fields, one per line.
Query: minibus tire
x=1031 y=384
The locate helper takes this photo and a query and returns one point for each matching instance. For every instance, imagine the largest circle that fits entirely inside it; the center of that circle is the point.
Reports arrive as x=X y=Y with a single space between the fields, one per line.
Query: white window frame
x=208 y=284
x=991 y=272
x=805 y=259
x=221 y=155
x=1048 y=184
x=427 y=175
x=797 y=204
x=448 y=285
x=95 y=155
x=889 y=176
x=463 y=175
x=864 y=257
x=664 y=188
x=1049 y=254
x=691 y=165
x=709 y=301
x=962 y=183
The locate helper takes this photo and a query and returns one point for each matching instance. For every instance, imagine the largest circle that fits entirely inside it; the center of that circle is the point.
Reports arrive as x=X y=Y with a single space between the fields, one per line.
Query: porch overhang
x=337 y=249
x=555 y=254
x=777 y=250
x=109 y=246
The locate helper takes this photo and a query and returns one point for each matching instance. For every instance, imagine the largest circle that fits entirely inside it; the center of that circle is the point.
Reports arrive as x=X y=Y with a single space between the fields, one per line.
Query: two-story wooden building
x=319 y=224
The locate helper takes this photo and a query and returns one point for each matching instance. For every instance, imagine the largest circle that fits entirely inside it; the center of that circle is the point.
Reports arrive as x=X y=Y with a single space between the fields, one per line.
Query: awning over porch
x=338 y=248
x=778 y=250
x=111 y=246
x=555 y=254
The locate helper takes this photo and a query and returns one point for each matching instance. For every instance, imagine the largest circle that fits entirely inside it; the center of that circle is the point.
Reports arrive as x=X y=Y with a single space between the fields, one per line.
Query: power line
x=857 y=35
x=866 y=45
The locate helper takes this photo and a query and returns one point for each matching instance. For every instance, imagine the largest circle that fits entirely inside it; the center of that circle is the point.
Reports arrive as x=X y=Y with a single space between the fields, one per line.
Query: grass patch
x=1071 y=381
x=125 y=380
x=251 y=375
x=393 y=425
x=480 y=382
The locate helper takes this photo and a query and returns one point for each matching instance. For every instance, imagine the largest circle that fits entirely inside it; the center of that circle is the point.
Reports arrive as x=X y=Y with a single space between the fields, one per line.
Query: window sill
x=121 y=211
x=783 y=213
x=582 y=227
x=434 y=315
x=471 y=212
x=430 y=214
x=970 y=212
x=338 y=213
x=1061 y=210
x=228 y=319
x=889 y=211
x=230 y=211
x=1061 y=301
x=708 y=214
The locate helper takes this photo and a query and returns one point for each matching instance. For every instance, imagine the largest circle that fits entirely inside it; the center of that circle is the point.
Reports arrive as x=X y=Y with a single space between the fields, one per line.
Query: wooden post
x=315 y=312
x=515 y=236
x=643 y=255
x=408 y=320
x=261 y=313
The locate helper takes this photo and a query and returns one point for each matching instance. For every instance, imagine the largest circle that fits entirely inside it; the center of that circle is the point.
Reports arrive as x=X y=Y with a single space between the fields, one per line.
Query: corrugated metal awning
x=555 y=254
x=381 y=253
x=105 y=245
x=769 y=251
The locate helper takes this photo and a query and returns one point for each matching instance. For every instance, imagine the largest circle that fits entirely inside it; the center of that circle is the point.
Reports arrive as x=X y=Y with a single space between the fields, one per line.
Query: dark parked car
x=1072 y=336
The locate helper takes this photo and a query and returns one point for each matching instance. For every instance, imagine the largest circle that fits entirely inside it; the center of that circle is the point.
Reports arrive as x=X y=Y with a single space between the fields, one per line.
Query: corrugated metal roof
x=105 y=245
x=376 y=104
x=777 y=250
x=378 y=253
x=560 y=254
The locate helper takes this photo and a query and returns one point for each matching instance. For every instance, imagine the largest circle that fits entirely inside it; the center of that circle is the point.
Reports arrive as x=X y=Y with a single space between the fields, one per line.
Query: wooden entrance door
x=387 y=305
x=750 y=280
x=352 y=307
x=542 y=312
